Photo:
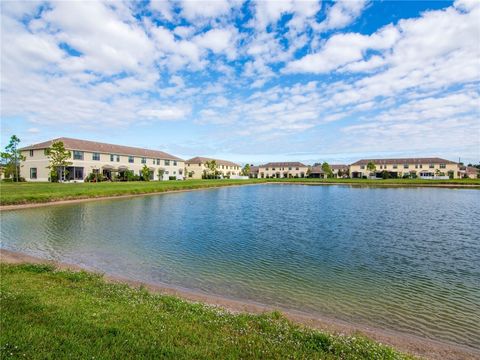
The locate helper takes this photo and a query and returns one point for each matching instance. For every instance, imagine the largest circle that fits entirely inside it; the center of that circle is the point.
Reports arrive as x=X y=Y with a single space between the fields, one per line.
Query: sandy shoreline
x=126 y=196
x=415 y=345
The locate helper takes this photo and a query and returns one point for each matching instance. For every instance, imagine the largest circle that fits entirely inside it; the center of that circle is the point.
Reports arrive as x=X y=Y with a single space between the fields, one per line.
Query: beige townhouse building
x=338 y=171
x=426 y=168
x=196 y=168
x=282 y=170
x=95 y=157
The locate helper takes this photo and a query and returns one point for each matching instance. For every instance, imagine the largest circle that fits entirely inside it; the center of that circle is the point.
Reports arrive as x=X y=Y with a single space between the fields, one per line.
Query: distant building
x=469 y=172
x=412 y=167
x=253 y=171
x=317 y=172
x=196 y=168
x=337 y=171
x=282 y=170
x=95 y=157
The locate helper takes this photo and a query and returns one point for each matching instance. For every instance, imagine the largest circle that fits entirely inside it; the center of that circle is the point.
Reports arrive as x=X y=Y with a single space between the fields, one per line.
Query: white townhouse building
x=96 y=157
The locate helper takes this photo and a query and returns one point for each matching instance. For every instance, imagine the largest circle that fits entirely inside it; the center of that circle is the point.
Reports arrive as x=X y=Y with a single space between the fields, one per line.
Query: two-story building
x=282 y=170
x=94 y=157
x=196 y=168
x=426 y=168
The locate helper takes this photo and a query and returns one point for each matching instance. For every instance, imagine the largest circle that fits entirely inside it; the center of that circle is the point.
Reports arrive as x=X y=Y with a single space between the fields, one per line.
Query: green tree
x=371 y=167
x=58 y=159
x=12 y=157
x=146 y=173
x=246 y=170
x=212 y=167
x=327 y=169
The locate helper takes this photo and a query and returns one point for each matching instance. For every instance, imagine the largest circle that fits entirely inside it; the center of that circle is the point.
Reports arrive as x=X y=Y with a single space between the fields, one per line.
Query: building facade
x=196 y=168
x=282 y=170
x=426 y=168
x=94 y=157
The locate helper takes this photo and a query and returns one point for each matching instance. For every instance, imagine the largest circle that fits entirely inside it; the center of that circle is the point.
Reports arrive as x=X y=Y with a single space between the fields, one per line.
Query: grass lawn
x=23 y=193
x=50 y=314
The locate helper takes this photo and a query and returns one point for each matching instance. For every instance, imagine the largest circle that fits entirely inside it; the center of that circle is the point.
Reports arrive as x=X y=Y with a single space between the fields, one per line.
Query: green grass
x=50 y=314
x=23 y=193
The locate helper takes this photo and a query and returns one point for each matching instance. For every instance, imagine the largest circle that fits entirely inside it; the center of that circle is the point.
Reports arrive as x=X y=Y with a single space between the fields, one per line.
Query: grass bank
x=52 y=314
x=26 y=193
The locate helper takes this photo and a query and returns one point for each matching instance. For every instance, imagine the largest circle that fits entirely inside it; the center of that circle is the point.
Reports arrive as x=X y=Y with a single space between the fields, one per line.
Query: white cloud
x=165 y=113
x=193 y=10
x=219 y=41
x=341 y=14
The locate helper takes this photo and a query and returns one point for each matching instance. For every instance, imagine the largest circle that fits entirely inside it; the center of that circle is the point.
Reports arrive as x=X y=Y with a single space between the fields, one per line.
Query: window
x=144 y=160
x=96 y=156
x=405 y=166
x=416 y=166
x=362 y=166
x=395 y=166
x=431 y=166
x=167 y=162
x=118 y=158
x=77 y=155
x=273 y=169
x=112 y=157
x=297 y=168
x=78 y=173
x=31 y=152
x=158 y=161
x=289 y=168
x=131 y=159
x=33 y=173
x=266 y=169
x=174 y=162
x=420 y=166
x=443 y=166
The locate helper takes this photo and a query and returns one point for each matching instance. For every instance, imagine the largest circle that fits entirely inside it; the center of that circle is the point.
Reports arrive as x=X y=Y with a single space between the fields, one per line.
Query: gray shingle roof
x=401 y=161
x=94 y=146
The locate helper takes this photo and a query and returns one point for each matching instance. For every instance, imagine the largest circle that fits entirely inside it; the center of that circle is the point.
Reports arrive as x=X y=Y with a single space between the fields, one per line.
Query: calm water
x=395 y=258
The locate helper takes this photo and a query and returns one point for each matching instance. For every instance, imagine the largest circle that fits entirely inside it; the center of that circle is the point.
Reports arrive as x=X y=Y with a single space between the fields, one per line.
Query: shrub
x=172 y=178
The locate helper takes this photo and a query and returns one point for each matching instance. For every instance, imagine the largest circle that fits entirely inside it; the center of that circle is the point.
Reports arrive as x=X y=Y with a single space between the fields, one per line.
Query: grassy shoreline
x=32 y=193
x=50 y=313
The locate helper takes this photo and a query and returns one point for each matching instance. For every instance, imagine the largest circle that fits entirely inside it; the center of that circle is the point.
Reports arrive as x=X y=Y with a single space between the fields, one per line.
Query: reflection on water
x=404 y=259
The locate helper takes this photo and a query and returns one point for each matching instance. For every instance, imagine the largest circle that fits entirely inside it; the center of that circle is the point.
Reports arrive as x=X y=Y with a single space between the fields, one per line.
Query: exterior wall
x=41 y=162
x=196 y=170
x=401 y=170
x=282 y=171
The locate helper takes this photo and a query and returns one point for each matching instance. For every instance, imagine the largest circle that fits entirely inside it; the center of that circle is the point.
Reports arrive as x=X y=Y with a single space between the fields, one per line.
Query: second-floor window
x=144 y=160
x=174 y=163
x=130 y=159
x=31 y=152
x=114 y=157
x=77 y=155
x=167 y=162
x=96 y=156
x=443 y=166
x=405 y=166
x=431 y=166
x=158 y=161
x=394 y=166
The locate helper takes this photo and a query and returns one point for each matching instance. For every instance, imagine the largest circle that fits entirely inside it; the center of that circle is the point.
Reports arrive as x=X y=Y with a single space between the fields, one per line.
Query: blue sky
x=247 y=81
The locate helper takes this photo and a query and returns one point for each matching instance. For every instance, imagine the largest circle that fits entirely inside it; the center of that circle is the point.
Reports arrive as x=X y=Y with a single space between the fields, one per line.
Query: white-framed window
x=167 y=162
x=96 y=156
x=77 y=155
x=144 y=160
x=31 y=153
x=131 y=159
x=33 y=173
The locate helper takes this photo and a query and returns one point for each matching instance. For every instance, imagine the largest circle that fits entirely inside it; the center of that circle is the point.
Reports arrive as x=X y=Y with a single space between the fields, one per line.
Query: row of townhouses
x=112 y=161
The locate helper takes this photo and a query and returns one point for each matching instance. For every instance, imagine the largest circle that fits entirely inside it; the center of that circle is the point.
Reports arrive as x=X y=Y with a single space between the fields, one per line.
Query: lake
x=404 y=259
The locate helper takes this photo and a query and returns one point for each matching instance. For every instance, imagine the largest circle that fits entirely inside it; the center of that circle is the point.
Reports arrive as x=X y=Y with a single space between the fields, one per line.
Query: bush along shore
x=62 y=314
x=30 y=193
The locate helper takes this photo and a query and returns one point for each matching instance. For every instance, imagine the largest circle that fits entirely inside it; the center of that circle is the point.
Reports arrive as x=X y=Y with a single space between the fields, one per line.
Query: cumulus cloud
x=262 y=71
